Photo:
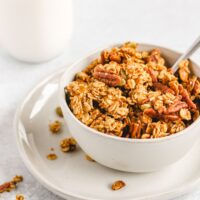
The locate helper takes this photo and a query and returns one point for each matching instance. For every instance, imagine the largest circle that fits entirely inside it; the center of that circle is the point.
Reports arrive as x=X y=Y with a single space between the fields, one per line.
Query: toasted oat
x=68 y=144
x=19 y=197
x=87 y=157
x=133 y=94
x=59 y=111
x=8 y=186
x=52 y=156
x=185 y=114
x=55 y=127
x=117 y=185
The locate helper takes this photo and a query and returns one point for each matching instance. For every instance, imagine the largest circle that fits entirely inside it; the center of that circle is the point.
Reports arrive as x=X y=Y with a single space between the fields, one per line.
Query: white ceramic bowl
x=130 y=155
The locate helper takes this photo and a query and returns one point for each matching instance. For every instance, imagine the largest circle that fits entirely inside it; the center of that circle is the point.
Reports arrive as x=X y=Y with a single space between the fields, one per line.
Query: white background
x=171 y=23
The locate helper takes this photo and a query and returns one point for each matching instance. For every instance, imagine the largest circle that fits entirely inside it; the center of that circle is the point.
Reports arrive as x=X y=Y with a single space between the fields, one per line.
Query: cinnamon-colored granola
x=134 y=94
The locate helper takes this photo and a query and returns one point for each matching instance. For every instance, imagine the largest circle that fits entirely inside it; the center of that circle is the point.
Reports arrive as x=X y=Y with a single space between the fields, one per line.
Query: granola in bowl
x=134 y=94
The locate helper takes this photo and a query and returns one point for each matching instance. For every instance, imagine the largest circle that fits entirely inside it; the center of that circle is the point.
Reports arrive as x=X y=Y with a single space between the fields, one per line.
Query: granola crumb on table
x=8 y=186
x=20 y=197
x=117 y=185
x=134 y=94
x=52 y=156
x=87 y=157
x=59 y=111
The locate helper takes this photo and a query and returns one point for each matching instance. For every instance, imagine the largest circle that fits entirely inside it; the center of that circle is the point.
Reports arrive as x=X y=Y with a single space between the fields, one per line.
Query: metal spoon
x=187 y=54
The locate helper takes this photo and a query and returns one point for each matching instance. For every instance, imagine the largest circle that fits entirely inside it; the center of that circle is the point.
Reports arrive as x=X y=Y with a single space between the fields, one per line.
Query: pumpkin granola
x=134 y=94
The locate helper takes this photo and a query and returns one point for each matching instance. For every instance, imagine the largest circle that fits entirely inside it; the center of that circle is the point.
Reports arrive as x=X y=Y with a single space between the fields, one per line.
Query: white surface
x=174 y=24
x=116 y=152
x=71 y=175
x=35 y=30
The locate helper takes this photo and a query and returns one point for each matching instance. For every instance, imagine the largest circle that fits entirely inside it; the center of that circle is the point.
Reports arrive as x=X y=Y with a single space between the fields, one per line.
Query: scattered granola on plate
x=19 y=197
x=59 y=111
x=117 y=185
x=87 y=157
x=8 y=186
x=52 y=156
x=55 y=127
x=134 y=94
x=68 y=145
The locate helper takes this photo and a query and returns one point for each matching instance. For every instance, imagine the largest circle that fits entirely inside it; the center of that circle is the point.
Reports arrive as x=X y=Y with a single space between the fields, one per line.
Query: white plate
x=73 y=177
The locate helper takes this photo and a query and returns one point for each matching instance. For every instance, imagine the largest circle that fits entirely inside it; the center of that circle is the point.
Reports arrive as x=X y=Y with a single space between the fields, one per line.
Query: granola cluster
x=11 y=185
x=117 y=185
x=68 y=145
x=134 y=94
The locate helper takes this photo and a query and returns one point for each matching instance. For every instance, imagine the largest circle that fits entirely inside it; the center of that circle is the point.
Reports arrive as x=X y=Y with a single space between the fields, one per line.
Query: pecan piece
x=154 y=56
x=163 y=88
x=105 y=56
x=176 y=107
x=167 y=117
x=107 y=77
x=170 y=117
x=114 y=56
x=150 y=112
x=186 y=97
x=136 y=129
x=5 y=187
x=152 y=73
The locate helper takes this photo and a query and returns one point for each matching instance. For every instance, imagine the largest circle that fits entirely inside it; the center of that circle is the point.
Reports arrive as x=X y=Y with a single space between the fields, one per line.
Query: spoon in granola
x=187 y=54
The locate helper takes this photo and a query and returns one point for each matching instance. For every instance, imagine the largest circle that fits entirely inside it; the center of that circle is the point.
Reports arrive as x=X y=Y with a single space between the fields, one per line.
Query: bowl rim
x=101 y=134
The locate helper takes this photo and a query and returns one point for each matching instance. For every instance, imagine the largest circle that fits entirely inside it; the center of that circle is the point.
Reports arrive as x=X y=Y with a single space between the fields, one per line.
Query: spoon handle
x=187 y=54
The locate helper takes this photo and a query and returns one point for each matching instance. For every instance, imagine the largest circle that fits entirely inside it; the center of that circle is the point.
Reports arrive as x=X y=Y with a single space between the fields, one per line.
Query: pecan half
x=176 y=107
x=106 y=77
x=183 y=92
x=167 y=117
x=170 y=117
x=163 y=88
